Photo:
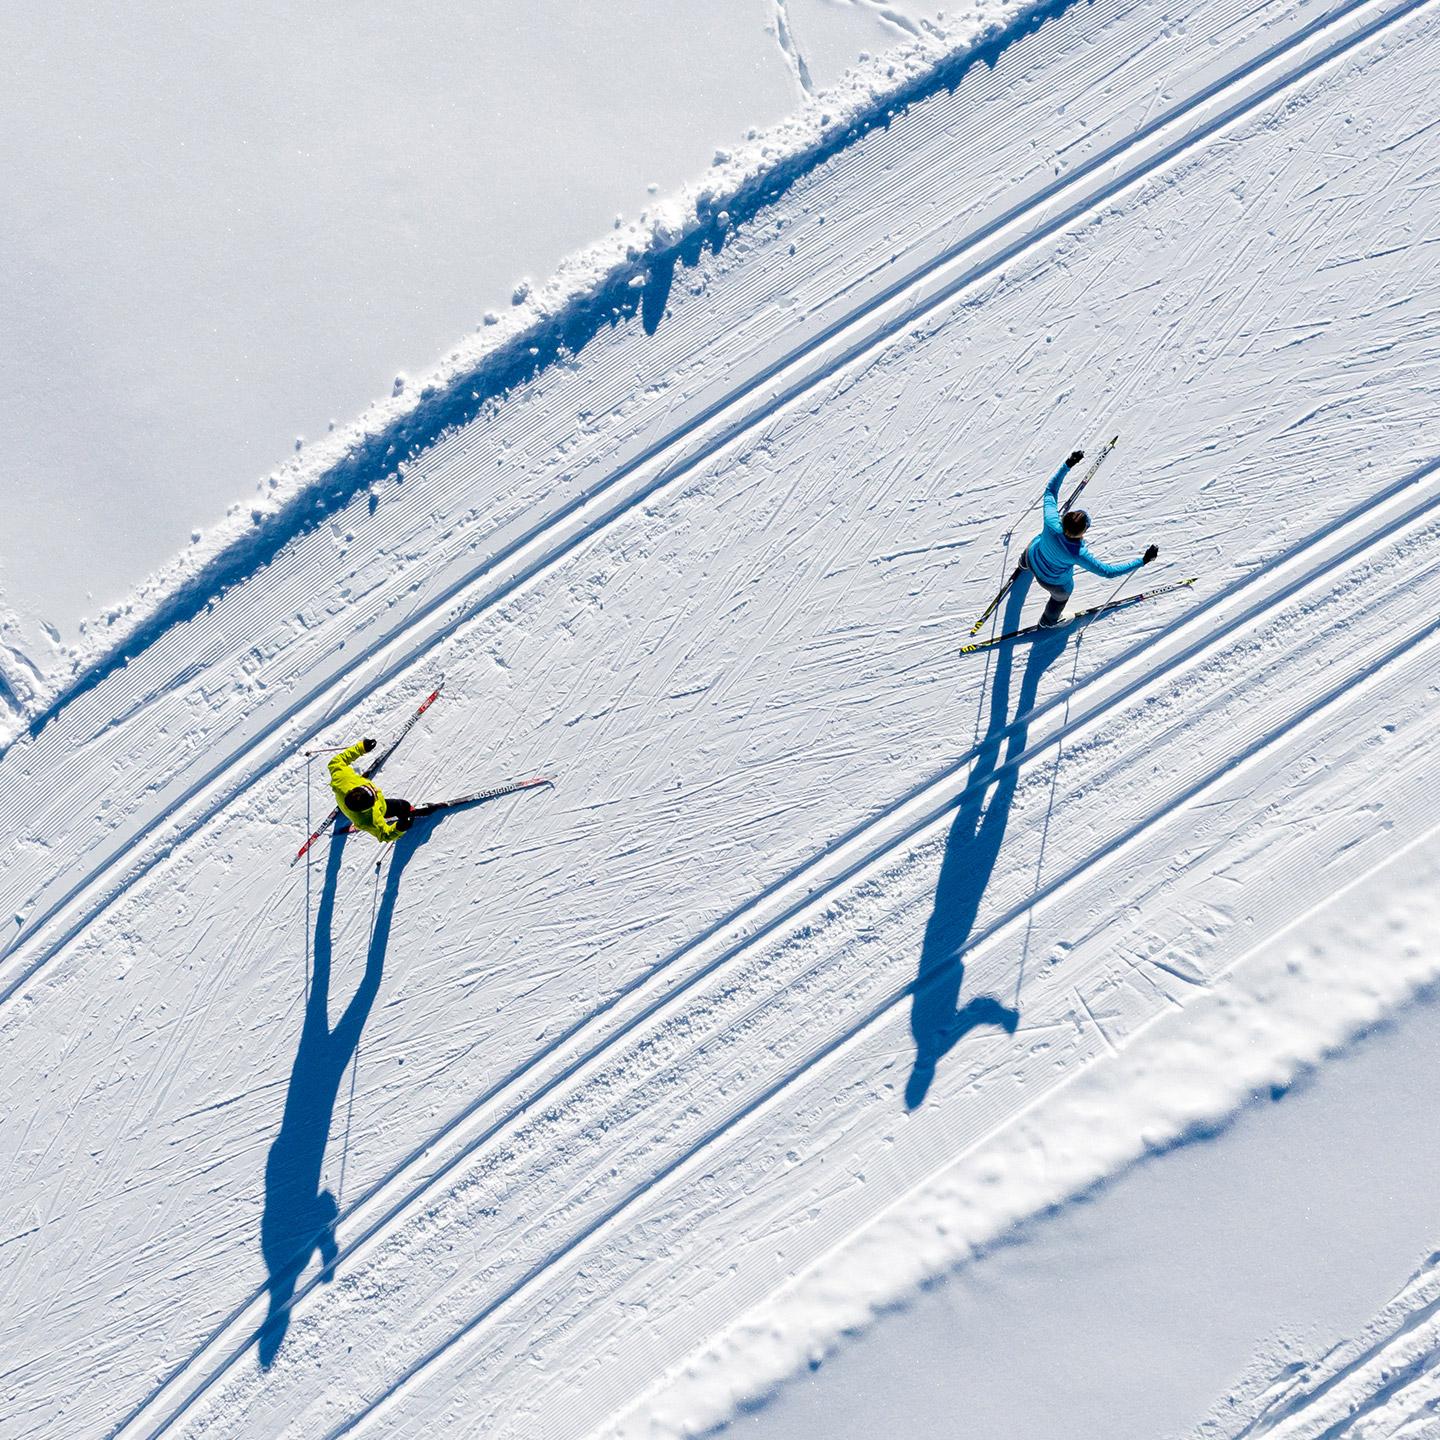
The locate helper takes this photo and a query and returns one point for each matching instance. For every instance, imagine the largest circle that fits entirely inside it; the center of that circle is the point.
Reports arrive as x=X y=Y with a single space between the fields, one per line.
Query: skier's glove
x=368 y=743
x=1074 y=458
x=1151 y=554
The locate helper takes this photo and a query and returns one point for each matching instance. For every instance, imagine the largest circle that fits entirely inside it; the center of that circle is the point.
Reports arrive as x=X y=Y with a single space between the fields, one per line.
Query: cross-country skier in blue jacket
x=1051 y=557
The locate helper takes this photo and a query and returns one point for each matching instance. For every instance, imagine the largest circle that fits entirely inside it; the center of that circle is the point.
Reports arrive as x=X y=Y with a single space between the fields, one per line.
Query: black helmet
x=360 y=798
x=1076 y=523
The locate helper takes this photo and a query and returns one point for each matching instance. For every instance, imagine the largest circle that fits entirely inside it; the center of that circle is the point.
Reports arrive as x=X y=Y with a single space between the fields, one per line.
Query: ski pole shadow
x=299 y=1215
x=938 y=1022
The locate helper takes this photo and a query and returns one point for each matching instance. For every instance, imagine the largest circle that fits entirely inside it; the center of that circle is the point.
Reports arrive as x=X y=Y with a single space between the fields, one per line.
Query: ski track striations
x=516 y=539
x=639 y=1047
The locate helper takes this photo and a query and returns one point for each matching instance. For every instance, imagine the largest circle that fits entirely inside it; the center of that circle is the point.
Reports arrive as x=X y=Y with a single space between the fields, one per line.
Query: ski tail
x=1104 y=608
x=405 y=729
x=1105 y=449
x=994 y=605
x=374 y=766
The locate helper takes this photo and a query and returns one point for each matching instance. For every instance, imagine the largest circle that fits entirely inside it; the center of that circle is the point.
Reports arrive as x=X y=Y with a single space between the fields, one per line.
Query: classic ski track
x=1358 y=1377
x=787 y=883
x=528 y=556
x=790 y=881
x=694 y=1154
x=929 y=802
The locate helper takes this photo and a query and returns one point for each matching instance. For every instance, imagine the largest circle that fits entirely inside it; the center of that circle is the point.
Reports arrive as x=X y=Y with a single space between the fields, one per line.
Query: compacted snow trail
x=588 y=1075
x=196 y=748
x=585 y=1074
x=839 y=977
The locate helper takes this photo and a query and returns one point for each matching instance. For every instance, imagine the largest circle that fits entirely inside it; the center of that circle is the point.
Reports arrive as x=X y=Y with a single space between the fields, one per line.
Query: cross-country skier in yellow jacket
x=361 y=801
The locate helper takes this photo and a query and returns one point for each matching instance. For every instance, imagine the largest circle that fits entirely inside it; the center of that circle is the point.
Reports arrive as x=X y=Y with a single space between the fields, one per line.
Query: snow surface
x=609 y=1109
x=226 y=232
x=1234 y=1252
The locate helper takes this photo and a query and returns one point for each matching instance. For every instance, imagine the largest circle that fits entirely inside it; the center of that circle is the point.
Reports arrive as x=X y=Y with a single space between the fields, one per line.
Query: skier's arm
x=1099 y=567
x=1052 y=497
x=340 y=764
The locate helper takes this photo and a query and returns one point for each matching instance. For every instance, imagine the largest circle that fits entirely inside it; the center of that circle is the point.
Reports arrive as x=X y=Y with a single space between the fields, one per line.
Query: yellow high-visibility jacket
x=344 y=778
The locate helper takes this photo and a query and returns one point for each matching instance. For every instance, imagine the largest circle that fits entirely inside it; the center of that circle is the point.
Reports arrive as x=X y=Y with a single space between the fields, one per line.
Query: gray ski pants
x=1059 y=594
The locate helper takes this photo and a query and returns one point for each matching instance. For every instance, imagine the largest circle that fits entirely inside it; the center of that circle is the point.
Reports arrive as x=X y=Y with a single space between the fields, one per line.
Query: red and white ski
x=508 y=788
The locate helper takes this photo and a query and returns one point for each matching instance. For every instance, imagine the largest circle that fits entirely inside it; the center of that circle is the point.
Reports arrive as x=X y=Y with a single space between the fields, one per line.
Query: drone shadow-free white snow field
x=491 y=1138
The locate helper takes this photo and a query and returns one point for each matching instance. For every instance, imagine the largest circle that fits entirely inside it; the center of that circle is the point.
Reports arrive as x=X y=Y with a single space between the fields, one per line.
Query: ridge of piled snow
x=1282 y=1012
x=819 y=906
x=626 y=273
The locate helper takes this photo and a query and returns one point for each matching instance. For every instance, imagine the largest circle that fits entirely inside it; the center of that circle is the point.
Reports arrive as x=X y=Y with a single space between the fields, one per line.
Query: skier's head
x=360 y=798
x=1076 y=522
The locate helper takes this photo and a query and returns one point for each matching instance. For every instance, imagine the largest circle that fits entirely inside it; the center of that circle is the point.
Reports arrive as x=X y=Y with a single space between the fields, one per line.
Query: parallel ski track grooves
x=796 y=877
x=595 y=1228
x=942 y=800
x=724 y=433
x=1372 y=1356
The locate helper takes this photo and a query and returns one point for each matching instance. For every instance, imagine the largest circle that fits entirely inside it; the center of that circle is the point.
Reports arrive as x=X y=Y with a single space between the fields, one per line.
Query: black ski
x=374 y=766
x=1067 y=620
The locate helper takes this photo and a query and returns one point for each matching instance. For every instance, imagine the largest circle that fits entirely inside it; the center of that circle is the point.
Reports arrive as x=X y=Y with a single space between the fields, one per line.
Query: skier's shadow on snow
x=299 y=1216
x=937 y=1020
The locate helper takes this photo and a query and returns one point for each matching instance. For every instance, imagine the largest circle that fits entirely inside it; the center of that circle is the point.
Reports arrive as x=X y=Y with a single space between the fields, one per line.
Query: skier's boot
x=1054 y=612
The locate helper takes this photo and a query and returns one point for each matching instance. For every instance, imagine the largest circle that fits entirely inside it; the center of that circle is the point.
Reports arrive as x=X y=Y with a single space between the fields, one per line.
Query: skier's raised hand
x=368 y=743
x=1151 y=554
x=1074 y=458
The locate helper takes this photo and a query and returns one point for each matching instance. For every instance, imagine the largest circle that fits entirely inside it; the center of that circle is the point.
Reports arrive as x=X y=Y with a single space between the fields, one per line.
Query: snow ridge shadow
x=635 y=283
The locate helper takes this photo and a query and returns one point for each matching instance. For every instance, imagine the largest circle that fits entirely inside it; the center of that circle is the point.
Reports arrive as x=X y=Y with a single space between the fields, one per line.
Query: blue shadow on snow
x=938 y=1021
x=299 y=1216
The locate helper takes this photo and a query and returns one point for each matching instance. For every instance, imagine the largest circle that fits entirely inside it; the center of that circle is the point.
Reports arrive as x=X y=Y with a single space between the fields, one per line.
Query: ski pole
x=1095 y=464
x=1106 y=603
x=1124 y=581
x=1089 y=474
x=994 y=605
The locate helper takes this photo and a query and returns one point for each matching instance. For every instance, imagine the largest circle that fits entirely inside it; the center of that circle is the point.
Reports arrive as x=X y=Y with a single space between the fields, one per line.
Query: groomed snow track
x=696 y=574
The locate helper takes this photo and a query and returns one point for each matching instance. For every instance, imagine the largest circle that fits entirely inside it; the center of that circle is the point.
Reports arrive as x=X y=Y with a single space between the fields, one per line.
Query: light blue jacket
x=1053 y=556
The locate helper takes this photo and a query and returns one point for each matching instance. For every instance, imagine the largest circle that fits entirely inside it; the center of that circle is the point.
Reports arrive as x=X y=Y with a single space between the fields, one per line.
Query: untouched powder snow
x=1235 y=1254
x=834 y=953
